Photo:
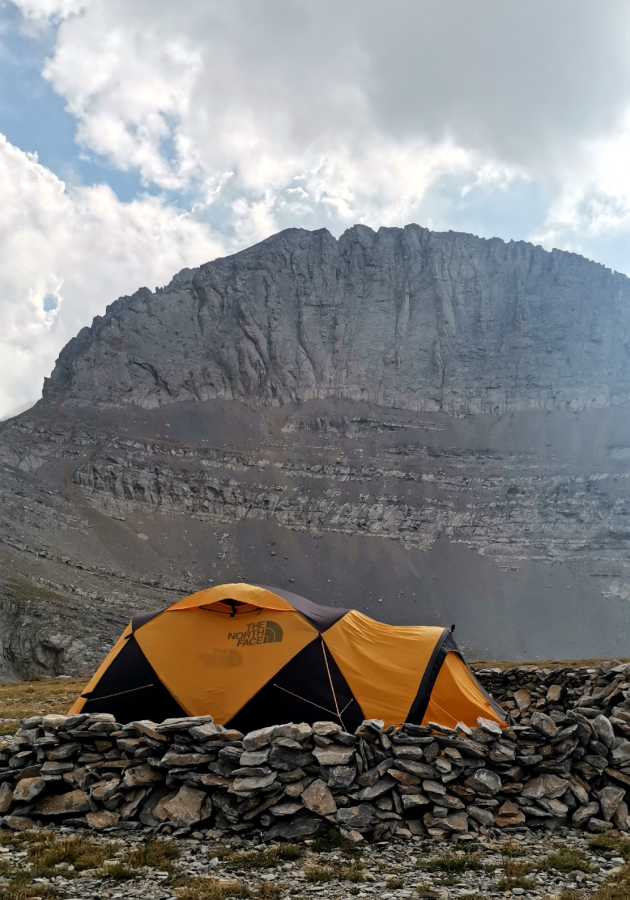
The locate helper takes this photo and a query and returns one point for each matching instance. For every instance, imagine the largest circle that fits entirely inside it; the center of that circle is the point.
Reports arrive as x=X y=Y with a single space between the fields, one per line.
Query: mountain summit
x=402 y=317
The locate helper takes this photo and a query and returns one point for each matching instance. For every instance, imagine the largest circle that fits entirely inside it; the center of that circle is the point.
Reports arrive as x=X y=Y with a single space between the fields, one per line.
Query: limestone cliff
x=402 y=317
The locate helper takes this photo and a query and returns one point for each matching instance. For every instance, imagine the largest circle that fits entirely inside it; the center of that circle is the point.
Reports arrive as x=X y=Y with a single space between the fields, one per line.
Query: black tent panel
x=129 y=689
x=320 y=617
x=310 y=688
x=445 y=645
x=141 y=618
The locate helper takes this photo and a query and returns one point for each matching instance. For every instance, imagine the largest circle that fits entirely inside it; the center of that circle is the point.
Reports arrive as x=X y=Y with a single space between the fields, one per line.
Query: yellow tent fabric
x=253 y=656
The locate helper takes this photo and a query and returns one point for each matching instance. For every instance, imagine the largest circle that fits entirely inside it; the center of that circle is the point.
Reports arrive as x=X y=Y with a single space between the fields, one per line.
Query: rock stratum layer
x=428 y=427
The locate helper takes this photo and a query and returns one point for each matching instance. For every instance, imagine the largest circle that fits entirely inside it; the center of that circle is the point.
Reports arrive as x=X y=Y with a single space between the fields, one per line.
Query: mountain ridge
x=402 y=317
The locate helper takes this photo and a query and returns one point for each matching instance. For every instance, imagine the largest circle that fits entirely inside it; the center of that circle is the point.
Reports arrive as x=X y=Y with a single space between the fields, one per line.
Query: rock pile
x=564 y=758
x=592 y=689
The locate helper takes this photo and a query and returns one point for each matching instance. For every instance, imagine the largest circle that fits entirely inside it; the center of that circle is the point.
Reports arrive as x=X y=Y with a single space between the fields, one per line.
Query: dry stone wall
x=564 y=758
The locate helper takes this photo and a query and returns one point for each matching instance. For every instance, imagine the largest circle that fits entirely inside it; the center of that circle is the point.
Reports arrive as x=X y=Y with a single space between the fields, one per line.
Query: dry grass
x=36 y=697
x=335 y=872
x=566 y=859
x=319 y=874
x=268 y=891
x=204 y=888
x=20 y=887
x=329 y=839
x=516 y=876
x=543 y=663
x=612 y=842
x=50 y=851
x=118 y=872
x=263 y=859
x=617 y=887
x=157 y=854
x=452 y=863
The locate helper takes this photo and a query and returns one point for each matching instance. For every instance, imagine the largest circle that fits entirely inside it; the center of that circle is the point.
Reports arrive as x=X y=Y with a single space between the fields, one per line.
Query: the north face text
x=257 y=633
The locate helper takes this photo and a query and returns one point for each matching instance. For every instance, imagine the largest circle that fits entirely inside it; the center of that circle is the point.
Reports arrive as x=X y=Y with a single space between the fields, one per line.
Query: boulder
x=383 y=786
x=102 y=818
x=583 y=813
x=544 y=724
x=604 y=730
x=257 y=739
x=483 y=816
x=620 y=754
x=509 y=814
x=285 y=808
x=620 y=818
x=187 y=806
x=489 y=726
x=72 y=803
x=609 y=799
x=298 y=828
x=318 y=798
x=523 y=699
x=6 y=795
x=28 y=789
x=599 y=826
x=246 y=784
x=484 y=782
x=334 y=755
x=143 y=775
x=358 y=817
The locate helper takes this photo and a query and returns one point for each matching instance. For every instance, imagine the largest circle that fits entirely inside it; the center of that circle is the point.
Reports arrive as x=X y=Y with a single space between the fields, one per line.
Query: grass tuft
x=20 y=887
x=205 y=888
x=615 y=843
x=264 y=859
x=319 y=874
x=516 y=876
x=335 y=871
x=452 y=863
x=118 y=872
x=329 y=839
x=511 y=850
x=50 y=851
x=616 y=887
x=157 y=854
x=268 y=891
x=566 y=859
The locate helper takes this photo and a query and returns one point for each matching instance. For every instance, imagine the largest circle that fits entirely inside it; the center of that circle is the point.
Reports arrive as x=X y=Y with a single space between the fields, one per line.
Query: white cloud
x=290 y=112
x=188 y=92
x=82 y=248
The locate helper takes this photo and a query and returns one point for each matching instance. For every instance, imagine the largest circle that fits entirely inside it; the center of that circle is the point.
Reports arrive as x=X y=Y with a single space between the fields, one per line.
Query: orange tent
x=252 y=656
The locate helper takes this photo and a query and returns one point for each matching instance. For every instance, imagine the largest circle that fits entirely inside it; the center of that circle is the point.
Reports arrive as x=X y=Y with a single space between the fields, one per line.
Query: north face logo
x=257 y=633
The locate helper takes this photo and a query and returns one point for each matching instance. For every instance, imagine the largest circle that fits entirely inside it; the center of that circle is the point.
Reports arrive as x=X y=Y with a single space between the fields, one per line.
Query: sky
x=138 y=137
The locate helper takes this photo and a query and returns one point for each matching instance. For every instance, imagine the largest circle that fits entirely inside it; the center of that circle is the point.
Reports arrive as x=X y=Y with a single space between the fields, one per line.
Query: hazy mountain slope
x=430 y=427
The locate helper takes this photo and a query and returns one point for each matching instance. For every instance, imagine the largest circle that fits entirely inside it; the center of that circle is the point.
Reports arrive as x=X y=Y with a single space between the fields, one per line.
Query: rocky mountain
x=429 y=427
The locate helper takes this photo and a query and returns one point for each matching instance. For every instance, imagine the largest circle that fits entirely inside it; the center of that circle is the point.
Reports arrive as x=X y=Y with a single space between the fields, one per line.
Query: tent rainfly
x=253 y=656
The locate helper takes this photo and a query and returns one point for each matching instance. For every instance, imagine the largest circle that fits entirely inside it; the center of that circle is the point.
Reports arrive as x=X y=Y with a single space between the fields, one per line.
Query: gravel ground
x=205 y=867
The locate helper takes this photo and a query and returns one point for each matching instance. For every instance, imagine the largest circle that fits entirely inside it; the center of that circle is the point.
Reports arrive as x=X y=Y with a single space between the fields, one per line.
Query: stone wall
x=563 y=758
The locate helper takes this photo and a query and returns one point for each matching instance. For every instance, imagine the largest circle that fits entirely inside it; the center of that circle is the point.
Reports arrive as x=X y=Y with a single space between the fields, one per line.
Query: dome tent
x=252 y=656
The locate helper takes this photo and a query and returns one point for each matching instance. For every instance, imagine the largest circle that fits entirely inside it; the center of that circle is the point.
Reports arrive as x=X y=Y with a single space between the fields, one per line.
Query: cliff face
x=428 y=427
x=402 y=318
